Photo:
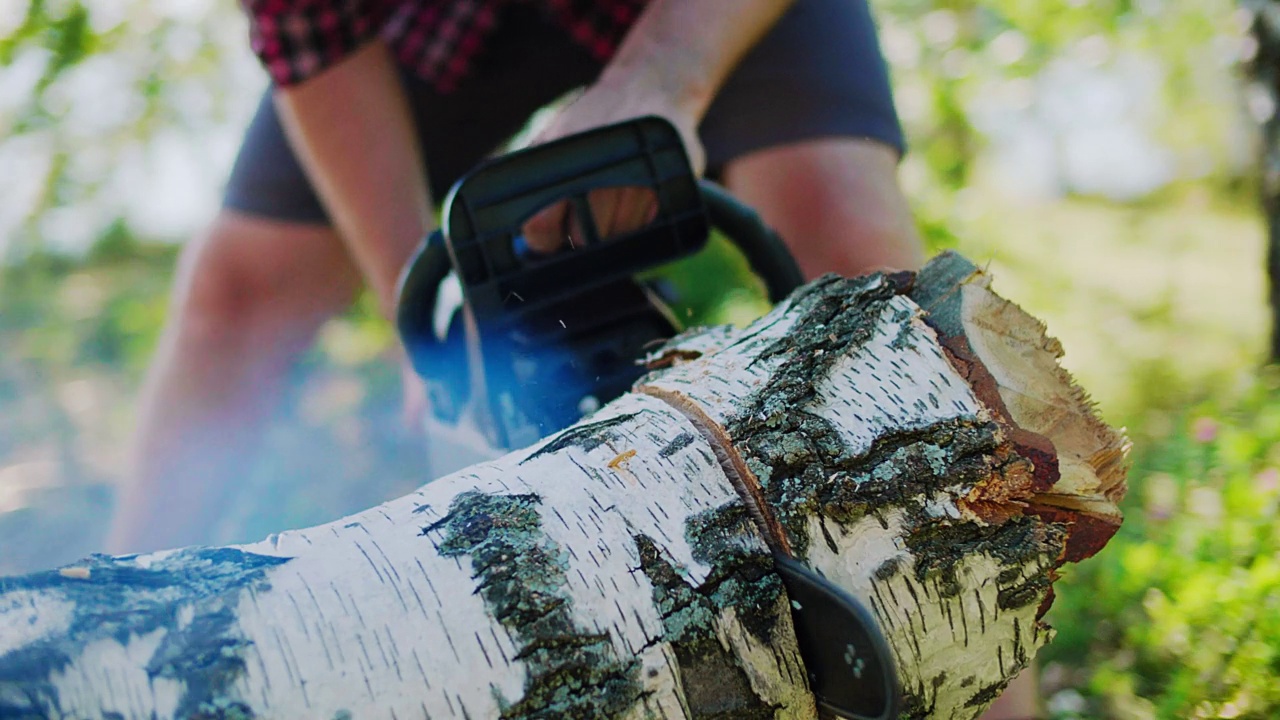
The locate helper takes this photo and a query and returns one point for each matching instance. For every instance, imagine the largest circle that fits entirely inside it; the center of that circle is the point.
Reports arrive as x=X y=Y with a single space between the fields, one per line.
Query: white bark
x=621 y=568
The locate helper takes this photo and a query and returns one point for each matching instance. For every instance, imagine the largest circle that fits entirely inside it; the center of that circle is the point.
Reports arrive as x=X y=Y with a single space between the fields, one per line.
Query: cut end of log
x=1079 y=461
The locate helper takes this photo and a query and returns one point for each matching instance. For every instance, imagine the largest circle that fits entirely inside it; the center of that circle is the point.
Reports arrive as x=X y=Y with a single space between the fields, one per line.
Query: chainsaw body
x=518 y=345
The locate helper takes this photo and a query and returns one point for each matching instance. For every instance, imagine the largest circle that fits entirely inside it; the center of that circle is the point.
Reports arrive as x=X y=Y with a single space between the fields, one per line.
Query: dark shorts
x=818 y=73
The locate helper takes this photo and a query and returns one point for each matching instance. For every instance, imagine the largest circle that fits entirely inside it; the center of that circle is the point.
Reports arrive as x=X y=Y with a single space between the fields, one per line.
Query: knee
x=214 y=304
x=836 y=201
x=848 y=206
x=234 y=292
x=873 y=236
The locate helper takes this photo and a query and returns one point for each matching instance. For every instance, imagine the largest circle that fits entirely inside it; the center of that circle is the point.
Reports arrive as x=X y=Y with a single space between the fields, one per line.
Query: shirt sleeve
x=296 y=39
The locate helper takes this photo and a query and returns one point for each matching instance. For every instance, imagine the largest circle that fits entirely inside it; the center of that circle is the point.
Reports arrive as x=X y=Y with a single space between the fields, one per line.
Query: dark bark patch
x=588 y=437
x=742 y=571
x=715 y=685
x=678 y=443
x=888 y=569
x=805 y=472
x=713 y=533
x=1008 y=575
x=914 y=706
x=119 y=599
x=939 y=548
x=1033 y=590
x=221 y=710
x=986 y=695
x=1016 y=544
x=572 y=672
x=837 y=315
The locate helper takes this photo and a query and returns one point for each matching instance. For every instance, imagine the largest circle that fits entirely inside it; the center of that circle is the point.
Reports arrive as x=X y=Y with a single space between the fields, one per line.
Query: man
x=378 y=106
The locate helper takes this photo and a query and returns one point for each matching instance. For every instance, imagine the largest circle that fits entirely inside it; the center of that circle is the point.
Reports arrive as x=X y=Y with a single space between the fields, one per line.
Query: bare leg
x=836 y=202
x=248 y=299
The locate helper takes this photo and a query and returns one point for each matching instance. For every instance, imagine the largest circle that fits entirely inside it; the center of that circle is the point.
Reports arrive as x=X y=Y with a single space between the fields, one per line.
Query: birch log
x=910 y=437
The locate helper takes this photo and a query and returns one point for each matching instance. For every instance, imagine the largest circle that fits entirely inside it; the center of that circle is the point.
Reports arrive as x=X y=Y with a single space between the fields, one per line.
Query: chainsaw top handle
x=485 y=211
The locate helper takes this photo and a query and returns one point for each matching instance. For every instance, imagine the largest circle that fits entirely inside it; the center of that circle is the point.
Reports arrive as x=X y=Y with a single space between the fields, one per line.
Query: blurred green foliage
x=1180 y=616
x=1158 y=297
x=94 y=99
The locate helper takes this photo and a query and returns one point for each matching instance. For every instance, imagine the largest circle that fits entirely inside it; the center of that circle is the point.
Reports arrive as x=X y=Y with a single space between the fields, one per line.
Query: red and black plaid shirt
x=436 y=38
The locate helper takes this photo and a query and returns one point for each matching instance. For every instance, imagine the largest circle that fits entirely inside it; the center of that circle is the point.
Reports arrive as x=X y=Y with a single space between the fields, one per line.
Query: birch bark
x=910 y=438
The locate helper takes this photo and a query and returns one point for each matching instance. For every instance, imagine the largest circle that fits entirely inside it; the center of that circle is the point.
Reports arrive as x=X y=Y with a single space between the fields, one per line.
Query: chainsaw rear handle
x=762 y=247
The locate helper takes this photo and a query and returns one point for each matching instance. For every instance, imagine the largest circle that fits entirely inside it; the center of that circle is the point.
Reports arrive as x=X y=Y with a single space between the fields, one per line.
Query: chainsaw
x=515 y=345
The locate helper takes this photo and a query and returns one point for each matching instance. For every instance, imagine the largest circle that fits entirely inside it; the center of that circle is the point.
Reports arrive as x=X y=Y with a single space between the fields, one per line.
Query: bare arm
x=682 y=52
x=672 y=64
x=354 y=134
x=366 y=165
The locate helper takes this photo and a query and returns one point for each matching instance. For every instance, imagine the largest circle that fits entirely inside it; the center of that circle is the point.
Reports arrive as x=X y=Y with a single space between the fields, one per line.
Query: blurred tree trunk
x=1264 y=70
x=911 y=438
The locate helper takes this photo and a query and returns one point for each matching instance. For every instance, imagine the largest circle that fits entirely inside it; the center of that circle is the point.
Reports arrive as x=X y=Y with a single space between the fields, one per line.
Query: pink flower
x=1204 y=430
x=1268 y=480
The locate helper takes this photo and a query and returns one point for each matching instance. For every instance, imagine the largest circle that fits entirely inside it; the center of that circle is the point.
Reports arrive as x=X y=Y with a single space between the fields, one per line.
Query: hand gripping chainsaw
x=516 y=345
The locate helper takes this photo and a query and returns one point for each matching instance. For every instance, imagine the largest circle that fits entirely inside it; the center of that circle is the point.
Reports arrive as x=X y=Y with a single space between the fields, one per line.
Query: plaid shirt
x=436 y=38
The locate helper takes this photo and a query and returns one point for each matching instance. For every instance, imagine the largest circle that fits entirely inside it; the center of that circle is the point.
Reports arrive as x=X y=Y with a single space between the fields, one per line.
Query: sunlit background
x=1099 y=156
